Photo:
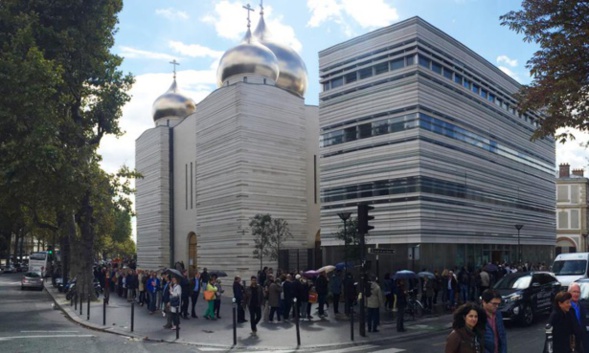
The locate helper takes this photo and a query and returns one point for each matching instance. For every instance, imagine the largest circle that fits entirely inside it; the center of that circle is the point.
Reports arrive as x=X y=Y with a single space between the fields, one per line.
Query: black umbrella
x=491 y=267
x=426 y=274
x=218 y=273
x=174 y=272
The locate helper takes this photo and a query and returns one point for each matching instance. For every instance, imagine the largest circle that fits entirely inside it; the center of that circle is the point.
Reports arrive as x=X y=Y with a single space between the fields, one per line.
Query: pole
x=548 y=348
x=133 y=315
x=362 y=283
x=519 y=251
x=351 y=321
x=234 y=322
x=296 y=307
x=88 y=310
x=81 y=302
x=104 y=312
x=377 y=267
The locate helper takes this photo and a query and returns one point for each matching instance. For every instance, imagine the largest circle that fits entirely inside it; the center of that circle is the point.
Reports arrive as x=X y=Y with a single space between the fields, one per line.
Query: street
x=30 y=324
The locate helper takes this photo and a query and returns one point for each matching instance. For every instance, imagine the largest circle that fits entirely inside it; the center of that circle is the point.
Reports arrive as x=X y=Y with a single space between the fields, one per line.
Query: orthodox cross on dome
x=261 y=7
x=175 y=63
x=249 y=9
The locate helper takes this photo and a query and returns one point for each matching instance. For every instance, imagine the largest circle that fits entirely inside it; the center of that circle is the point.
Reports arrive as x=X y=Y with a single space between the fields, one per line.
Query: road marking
x=44 y=336
x=215 y=349
x=49 y=331
x=354 y=348
x=389 y=350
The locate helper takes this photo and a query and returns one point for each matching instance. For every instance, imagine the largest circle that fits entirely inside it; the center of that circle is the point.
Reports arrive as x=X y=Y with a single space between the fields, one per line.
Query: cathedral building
x=250 y=147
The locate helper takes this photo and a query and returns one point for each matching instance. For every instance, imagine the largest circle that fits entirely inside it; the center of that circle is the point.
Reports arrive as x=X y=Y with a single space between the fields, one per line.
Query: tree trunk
x=85 y=247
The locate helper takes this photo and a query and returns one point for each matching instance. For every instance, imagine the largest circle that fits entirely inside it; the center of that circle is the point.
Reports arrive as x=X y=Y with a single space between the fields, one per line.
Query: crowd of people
x=279 y=297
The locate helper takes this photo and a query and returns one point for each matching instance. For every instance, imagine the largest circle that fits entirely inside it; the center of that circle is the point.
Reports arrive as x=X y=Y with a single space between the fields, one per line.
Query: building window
x=397 y=64
x=466 y=83
x=563 y=220
x=423 y=61
x=365 y=72
x=337 y=82
x=475 y=88
x=437 y=68
x=351 y=77
x=365 y=130
x=484 y=93
x=562 y=193
x=380 y=127
x=448 y=73
x=381 y=68
x=350 y=134
x=326 y=86
x=410 y=60
x=575 y=219
x=458 y=79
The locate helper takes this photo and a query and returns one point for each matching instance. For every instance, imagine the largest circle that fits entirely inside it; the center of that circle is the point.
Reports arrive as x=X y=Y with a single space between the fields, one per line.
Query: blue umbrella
x=342 y=265
x=405 y=274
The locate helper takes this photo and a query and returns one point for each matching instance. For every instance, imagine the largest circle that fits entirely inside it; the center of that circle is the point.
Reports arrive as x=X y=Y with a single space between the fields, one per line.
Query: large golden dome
x=292 y=70
x=248 y=58
x=172 y=104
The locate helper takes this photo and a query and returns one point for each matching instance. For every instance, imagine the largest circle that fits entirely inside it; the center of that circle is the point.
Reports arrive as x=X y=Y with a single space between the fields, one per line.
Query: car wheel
x=527 y=316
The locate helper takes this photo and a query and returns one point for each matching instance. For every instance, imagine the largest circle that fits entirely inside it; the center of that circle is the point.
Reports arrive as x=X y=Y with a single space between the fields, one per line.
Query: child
x=312 y=300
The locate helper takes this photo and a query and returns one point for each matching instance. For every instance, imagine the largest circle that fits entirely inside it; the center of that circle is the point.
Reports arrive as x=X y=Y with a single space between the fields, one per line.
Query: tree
x=350 y=237
x=560 y=86
x=261 y=228
x=62 y=92
x=278 y=234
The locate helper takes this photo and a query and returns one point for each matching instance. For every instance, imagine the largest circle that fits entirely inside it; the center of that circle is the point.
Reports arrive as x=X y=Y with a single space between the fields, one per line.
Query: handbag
x=175 y=301
x=209 y=295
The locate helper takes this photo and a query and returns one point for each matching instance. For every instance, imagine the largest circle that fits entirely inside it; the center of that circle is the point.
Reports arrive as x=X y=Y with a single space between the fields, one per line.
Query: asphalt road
x=28 y=323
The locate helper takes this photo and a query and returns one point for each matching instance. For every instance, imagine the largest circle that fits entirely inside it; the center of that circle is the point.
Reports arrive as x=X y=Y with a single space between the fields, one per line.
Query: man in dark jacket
x=321 y=286
x=254 y=297
x=495 y=337
x=238 y=294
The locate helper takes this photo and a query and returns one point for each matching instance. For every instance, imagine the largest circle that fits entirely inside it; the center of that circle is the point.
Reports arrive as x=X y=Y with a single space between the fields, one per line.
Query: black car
x=526 y=295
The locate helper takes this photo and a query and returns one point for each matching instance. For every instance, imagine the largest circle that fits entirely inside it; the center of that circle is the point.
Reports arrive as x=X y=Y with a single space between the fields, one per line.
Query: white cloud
x=172 y=14
x=137 y=114
x=370 y=13
x=229 y=19
x=365 y=13
x=504 y=59
x=132 y=53
x=509 y=72
x=573 y=152
x=194 y=50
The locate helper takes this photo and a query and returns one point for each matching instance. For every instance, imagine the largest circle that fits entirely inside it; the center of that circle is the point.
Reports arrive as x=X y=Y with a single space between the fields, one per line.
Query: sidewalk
x=218 y=334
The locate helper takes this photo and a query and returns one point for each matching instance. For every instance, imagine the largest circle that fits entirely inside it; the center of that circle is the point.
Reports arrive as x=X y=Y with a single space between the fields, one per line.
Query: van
x=570 y=267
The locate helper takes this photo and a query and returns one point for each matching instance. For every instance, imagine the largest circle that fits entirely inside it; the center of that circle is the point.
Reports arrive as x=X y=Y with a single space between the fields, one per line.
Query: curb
x=74 y=317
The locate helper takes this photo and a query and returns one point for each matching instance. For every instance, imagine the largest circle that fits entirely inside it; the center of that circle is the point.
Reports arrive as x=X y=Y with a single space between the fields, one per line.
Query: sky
x=196 y=33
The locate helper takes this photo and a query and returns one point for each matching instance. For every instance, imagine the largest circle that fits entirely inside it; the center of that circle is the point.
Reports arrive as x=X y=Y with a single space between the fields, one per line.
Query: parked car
x=525 y=295
x=31 y=280
x=9 y=268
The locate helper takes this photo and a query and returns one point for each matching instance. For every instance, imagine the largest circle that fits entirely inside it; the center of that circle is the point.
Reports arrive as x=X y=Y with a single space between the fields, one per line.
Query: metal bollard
x=132 y=315
x=234 y=322
x=75 y=300
x=81 y=304
x=548 y=348
x=178 y=326
x=104 y=312
x=296 y=307
x=352 y=321
x=88 y=310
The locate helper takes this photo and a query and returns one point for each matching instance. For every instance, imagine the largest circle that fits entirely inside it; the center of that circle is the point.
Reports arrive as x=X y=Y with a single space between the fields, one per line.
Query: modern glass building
x=426 y=130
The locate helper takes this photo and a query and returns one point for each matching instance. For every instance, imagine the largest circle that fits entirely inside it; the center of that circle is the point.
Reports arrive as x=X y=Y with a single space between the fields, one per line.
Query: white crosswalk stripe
x=369 y=347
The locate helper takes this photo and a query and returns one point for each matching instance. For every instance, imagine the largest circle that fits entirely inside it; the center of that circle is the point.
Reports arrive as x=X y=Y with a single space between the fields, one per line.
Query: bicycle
x=414 y=307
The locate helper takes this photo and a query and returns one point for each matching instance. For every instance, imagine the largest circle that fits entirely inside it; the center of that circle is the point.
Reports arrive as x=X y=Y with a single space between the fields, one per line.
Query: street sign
x=381 y=251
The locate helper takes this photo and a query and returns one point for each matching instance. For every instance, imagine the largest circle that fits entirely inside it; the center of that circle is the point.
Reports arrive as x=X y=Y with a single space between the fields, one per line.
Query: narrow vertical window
x=315 y=178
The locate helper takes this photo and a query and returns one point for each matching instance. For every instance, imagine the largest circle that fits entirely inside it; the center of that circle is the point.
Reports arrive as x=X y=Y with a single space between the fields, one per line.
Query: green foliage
x=269 y=236
x=560 y=86
x=260 y=226
x=351 y=238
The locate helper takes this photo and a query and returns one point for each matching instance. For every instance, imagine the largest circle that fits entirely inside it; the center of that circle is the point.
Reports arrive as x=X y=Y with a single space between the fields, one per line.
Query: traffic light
x=364 y=217
x=50 y=250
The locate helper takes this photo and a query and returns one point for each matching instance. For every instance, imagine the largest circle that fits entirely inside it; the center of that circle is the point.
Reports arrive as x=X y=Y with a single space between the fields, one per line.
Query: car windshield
x=513 y=282
x=32 y=274
x=569 y=267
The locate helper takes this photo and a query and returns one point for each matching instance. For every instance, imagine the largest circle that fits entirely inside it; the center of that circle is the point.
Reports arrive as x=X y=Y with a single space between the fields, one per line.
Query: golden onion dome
x=248 y=58
x=173 y=104
x=292 y=70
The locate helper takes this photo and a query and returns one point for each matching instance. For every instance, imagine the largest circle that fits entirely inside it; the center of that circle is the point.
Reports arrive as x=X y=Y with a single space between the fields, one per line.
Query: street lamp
x=344 y=216
x=519 y=252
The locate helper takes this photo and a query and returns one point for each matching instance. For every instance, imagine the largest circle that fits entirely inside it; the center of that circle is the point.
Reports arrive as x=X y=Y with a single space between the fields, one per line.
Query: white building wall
x=152 y=152
x=185 y=165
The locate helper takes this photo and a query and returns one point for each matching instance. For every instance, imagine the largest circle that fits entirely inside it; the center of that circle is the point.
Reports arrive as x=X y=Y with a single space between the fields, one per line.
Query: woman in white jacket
x=175 y=298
